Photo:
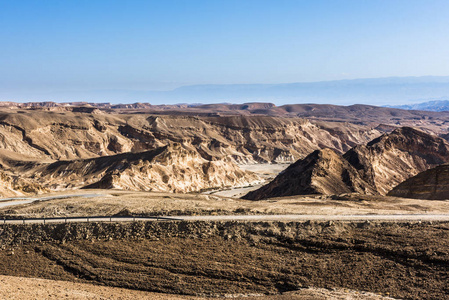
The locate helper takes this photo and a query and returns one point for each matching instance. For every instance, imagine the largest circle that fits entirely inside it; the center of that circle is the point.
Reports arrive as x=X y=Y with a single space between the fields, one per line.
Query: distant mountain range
x=437 y=105
x=372 y=91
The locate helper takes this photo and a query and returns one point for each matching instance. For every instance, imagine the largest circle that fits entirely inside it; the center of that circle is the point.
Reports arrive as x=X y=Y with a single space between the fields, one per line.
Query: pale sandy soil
x=236 y=192
x=265 y=169
x=34 y=288
x=112 y=202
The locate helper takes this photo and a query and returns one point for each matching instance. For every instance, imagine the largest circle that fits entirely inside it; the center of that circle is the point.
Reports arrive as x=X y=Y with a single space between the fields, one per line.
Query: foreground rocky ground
x=401 y=260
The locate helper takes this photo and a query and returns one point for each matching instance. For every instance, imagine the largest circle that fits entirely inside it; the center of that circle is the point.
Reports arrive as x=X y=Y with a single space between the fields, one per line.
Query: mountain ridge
x=435 y=105
x=381 y=91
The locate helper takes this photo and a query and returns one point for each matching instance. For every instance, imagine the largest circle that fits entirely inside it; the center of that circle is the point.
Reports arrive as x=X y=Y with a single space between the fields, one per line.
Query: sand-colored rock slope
x=376 y=167
x=11 y=186
x=171 y=168
x=77 y=140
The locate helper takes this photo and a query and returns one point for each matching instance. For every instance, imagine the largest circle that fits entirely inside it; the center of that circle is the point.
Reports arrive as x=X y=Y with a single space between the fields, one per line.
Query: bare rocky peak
x=322 y=172
x=376 y=167
x=93 y=132
x=79 y=142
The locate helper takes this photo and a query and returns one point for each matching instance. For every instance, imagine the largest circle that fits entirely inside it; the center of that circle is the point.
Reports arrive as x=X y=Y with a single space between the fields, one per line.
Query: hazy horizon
x=371 y=91
x=86 y=50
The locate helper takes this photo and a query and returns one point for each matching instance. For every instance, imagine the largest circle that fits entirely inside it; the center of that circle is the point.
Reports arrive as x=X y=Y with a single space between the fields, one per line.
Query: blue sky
x=78 y=45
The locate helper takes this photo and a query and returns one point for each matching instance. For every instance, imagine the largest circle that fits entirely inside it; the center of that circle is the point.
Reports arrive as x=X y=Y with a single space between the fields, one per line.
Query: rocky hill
x=321 y=172
x=358 y=113
x=172 y=168
x=31 y=139
x=392 y=158
x=376 y=167
x=432 y=184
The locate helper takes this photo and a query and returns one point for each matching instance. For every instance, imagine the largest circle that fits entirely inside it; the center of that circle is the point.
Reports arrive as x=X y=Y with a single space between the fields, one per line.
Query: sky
x=80 y=45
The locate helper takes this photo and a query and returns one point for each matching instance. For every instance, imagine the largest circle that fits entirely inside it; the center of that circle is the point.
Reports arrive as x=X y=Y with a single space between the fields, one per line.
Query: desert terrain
x=254 y=200
x=279 y=150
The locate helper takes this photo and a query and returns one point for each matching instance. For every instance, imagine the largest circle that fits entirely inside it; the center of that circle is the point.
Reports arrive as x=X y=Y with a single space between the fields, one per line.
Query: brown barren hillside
x=32 y=135
x=432 y=184
x=392 y=158
x=321 y=172
x=366 y=114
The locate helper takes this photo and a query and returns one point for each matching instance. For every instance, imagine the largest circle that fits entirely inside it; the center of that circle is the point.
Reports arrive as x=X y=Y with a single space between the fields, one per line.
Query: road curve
x=253 y=218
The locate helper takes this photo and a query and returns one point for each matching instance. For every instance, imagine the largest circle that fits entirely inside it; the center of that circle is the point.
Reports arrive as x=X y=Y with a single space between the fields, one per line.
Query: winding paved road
x=254 y=218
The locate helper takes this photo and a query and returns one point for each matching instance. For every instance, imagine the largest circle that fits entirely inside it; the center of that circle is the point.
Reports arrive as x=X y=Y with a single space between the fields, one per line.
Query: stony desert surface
x=398 y=259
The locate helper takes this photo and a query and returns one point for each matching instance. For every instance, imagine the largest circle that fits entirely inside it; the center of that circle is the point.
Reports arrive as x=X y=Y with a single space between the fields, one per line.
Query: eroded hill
x=171 y=168
x=321 y=172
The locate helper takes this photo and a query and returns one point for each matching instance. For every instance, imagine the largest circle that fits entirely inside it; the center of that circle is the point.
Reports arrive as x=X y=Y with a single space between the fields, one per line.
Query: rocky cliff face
x=372 y=168
x=69 y=135
x=432 y=184
x=172 y=168
x=75 y=134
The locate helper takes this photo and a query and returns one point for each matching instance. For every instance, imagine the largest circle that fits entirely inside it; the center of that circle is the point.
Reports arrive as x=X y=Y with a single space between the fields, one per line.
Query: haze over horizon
x=149 y=51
